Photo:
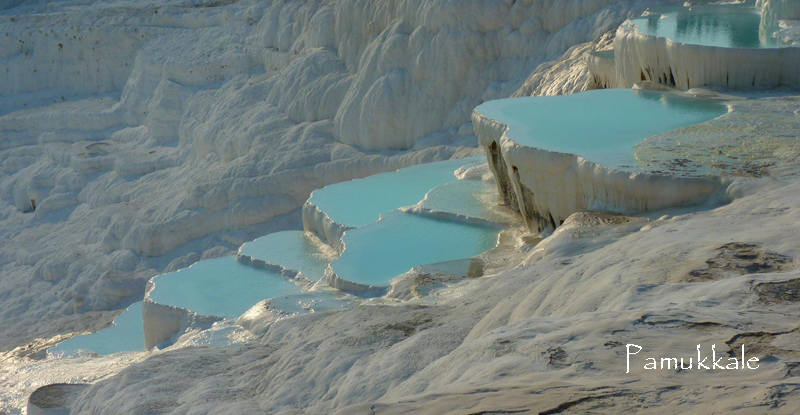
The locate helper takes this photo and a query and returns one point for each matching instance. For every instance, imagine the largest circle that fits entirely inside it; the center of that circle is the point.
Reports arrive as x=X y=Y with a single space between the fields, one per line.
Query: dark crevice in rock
x=759 y=344
x=535 y=221
x=507 y=194
x=784 y=292
x=412 y=326
x=569 y=404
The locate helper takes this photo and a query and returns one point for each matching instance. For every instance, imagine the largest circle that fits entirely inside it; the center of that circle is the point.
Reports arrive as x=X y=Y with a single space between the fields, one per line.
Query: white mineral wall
x=779 y=18
x=549 y=186
x=603 y=70
x=333 y=280
x=641 y=57
x=490 y=134
x=163 y=324
x=319 y=223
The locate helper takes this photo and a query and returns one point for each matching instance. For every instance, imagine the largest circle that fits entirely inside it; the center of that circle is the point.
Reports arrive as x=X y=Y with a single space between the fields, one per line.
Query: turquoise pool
x=360 y=202
x=602 y=126
x=126 y=335
x=295 y=250
x=728 y=26
x=377 y=253
x=220 y=287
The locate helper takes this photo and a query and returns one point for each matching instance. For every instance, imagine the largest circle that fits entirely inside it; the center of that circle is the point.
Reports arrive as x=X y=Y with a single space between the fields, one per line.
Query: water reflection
x=732 y=26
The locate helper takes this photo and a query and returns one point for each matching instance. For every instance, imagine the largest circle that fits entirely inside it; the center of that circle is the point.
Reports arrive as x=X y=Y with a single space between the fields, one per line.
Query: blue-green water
x=220 y=287
x=360 y=202
x=473 y=198
x=728 y=26
x=293 y=250
x=377 y=253
x=374 y=255
x=126 y=335
x=602 y=126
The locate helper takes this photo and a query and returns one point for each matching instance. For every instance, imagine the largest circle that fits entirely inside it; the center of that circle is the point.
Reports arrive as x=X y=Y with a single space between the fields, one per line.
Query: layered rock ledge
x=547 y=186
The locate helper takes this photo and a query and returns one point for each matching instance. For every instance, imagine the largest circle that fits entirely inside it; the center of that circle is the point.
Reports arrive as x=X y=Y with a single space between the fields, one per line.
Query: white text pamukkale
x=705 y=361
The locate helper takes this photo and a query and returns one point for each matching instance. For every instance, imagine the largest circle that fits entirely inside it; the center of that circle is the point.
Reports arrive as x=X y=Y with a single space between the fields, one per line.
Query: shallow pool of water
x=602 y=126
x=360 y=202
x=309 y=302
x=294 y=250
x=472 y=198
x=377 y=253
x=605 y=54
x=728 y=26
x=220 y=287
x=126 y=335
